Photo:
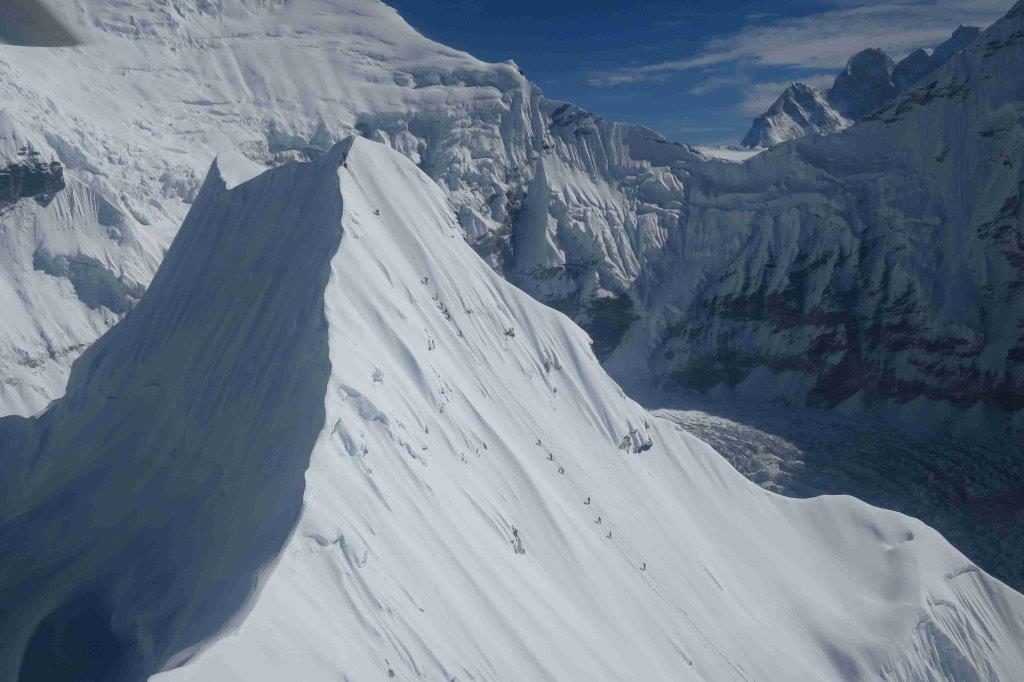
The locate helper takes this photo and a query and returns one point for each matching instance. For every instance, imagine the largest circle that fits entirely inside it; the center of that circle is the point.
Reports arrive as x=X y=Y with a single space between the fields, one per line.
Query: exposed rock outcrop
x=29 y=177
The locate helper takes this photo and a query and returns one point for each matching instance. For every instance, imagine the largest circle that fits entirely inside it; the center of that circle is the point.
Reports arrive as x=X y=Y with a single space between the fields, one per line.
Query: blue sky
x=695 y=70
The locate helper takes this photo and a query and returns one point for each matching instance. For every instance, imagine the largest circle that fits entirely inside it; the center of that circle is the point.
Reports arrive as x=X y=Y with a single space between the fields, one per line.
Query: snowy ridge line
x=452 y=426
x=406 y=556
x=451 y=484
x=651 y=246
x=140 y=508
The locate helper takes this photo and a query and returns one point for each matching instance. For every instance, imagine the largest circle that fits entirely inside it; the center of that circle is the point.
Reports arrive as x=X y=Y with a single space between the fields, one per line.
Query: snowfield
x=429 y=476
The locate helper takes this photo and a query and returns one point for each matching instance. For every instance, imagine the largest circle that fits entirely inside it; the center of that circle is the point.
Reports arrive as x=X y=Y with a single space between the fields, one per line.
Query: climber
x=587 y=501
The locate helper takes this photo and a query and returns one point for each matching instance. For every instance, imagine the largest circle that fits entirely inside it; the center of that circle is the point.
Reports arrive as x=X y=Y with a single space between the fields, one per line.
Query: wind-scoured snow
x=481 y=500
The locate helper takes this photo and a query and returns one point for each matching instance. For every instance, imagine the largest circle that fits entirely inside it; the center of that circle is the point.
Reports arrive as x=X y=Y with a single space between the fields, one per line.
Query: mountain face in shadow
x=31 y=24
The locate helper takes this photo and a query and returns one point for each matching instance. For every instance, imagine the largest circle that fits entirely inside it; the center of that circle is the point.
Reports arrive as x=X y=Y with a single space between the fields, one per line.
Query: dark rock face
x=865 y=85
x=30 y=177
x=961 y=38
x=912 y=69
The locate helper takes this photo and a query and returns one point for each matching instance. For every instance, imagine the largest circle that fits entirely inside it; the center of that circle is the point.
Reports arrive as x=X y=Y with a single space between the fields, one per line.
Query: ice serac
x=138 y=511
x=481 y=500
x=800 y=110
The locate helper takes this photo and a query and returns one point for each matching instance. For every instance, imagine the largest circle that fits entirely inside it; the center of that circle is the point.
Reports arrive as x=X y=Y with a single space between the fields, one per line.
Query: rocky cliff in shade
x=426 y=474
x=870 y=80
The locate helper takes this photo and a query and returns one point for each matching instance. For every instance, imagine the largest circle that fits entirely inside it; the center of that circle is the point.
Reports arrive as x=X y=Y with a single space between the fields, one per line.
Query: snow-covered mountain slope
x=878 y=266
x=967 y=492
x=610 y=223
x=138 y=112
x=870 y=80
x=481 y=500
x=800 y=110
x=27 y=22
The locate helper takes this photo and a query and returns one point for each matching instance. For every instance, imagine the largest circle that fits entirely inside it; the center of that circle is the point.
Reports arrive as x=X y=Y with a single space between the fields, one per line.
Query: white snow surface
x=445 y=531
x=800 y=110
x=902 y=225
x=137 y=113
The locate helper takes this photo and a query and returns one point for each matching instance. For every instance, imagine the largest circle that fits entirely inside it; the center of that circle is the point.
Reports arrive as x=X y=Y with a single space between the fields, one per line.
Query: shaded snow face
x=30 y=23
x=144 y=504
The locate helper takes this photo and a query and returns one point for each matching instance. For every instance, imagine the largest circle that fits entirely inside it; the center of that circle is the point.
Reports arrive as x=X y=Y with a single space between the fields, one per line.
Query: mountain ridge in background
x=870 y=80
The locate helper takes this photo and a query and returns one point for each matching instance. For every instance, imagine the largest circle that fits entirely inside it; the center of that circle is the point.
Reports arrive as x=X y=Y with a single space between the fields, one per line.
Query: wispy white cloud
x=824 y=40
x=713 y=83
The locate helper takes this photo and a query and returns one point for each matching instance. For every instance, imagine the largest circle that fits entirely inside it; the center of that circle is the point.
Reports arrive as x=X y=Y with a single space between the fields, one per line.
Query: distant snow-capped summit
x=800 y=110
x=870 y=80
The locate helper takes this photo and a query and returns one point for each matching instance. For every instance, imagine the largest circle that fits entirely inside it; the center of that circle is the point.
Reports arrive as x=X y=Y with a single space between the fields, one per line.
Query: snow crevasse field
x=481 y=500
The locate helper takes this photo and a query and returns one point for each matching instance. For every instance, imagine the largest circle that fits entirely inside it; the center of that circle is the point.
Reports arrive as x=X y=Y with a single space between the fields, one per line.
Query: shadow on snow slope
x=137 y=512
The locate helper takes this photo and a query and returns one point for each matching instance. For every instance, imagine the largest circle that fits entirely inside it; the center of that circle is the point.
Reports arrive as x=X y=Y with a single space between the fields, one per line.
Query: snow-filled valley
x=481 y=500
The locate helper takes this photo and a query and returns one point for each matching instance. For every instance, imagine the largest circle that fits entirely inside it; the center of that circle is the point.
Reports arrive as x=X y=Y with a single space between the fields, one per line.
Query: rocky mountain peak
x=870 y=80
x=961 y=38
x=865 y=84
x=912 y=68
x=801 y=109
